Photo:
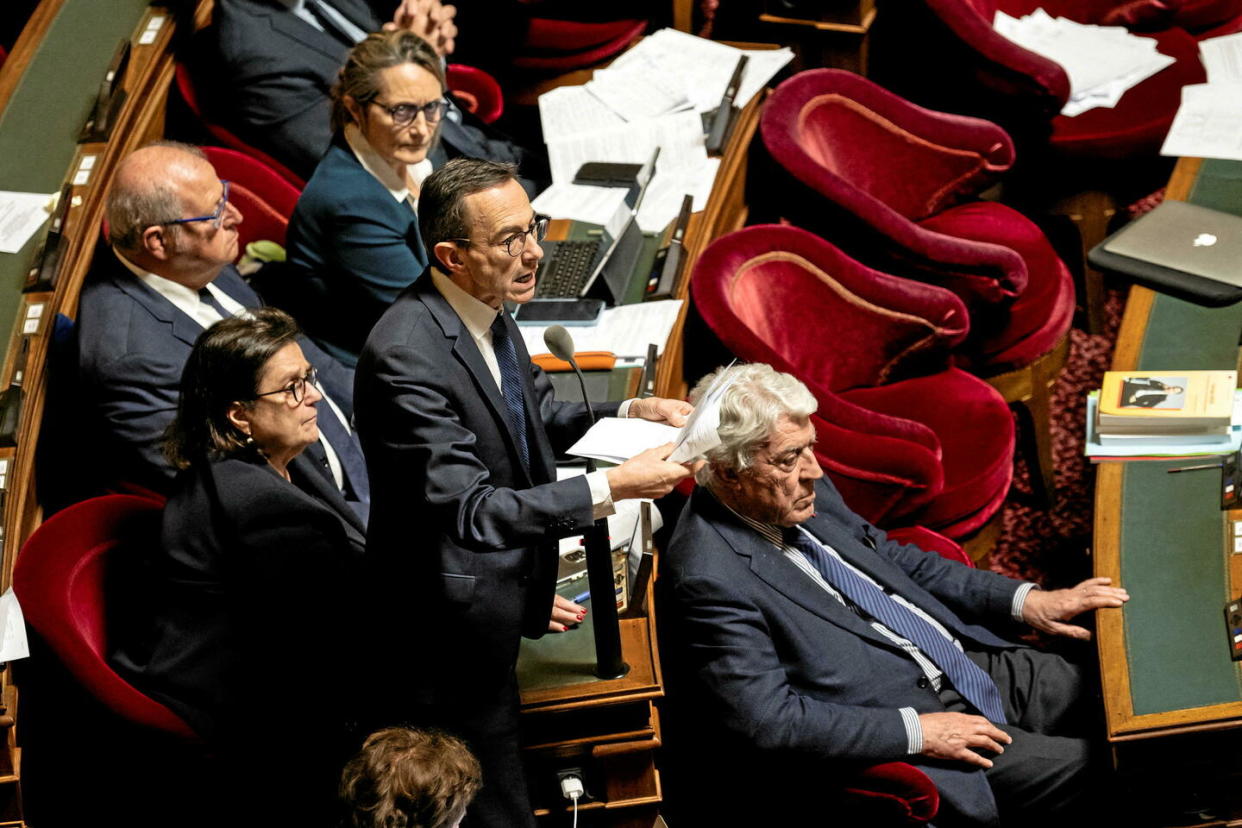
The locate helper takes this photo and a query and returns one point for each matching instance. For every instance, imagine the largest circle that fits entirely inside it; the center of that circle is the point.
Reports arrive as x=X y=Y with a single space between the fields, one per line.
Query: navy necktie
x=209 y=298
x=511 y=386
x=345 y=443
x=974 y=684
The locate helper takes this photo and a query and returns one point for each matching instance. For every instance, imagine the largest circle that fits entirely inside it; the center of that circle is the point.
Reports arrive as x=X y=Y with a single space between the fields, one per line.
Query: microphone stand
x=600 y=578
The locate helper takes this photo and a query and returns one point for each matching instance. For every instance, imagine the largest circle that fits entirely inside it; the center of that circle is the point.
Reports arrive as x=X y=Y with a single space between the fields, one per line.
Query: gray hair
x=132 y=209
x=757 y=399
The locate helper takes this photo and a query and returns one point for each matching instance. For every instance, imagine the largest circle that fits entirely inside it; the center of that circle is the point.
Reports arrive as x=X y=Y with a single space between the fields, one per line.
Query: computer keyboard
x=564 y=271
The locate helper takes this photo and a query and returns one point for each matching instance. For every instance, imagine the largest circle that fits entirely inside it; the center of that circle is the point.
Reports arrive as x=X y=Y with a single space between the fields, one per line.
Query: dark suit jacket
x=352 y=249
x=1130 y=395
x=462 y=535
x=270 y=73
x=132 y=345
x=791 y=673
x=245 y=586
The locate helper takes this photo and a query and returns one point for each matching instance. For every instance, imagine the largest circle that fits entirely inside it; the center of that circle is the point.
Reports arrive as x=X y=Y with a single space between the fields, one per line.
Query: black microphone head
x=560 y=343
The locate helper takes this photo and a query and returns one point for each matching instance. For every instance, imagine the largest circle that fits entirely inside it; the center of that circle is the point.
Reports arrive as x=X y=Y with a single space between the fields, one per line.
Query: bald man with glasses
x=169 y=275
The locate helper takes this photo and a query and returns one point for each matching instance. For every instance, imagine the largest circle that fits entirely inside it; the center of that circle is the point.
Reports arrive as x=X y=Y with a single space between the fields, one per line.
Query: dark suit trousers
x=1049 y=770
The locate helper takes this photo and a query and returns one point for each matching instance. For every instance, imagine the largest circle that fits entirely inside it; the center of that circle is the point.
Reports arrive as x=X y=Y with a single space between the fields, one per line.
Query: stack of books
x=1163 y=413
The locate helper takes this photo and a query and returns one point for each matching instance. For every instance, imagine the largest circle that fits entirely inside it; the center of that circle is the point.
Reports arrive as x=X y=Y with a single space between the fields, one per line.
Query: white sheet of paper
x=679 y=137
x=21 y=216
x=701 y=431
x=595 y=205
x=13 y=644
x=615 y=440
x=571 y=110
x=1222 y=58
x=1208 y=124
x=638 y=89
x=624 y=330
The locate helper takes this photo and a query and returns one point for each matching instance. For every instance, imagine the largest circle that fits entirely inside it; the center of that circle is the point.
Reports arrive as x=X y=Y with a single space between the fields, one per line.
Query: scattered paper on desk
x=615 y=440
x=580 y=202
x=1208 y=124
x=638 y=89
x=701 y=432
x=13 y=644
x=1102 y=62
x=21 y=215
x=625 y=330
x=704 y=67
x=662 y=203
x=679 y=137
x=571 y=110
x=1222 y=58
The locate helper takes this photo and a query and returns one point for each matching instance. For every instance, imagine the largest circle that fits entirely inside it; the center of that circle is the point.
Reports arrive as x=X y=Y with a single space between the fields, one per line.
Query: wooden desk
x=1163 y=537
x=47 y=90
x=611 y=729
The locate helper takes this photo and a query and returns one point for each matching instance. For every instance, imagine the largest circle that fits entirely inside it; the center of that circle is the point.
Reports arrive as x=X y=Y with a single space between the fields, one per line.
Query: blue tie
x=511 y=384
x=345 y=443
x=209 y=298
x=974 y=684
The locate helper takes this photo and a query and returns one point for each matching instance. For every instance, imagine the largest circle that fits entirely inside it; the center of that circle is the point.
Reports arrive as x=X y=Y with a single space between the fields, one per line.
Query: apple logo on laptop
x=1204 y=240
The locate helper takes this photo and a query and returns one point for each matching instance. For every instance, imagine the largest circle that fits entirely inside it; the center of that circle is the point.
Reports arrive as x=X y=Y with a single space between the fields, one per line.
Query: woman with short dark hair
x=251 y=590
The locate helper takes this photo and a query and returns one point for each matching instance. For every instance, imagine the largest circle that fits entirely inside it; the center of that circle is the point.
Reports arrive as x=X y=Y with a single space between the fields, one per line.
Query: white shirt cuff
x=623 y=410
x=1019 y=600
x=914 y=730
x=601 y=494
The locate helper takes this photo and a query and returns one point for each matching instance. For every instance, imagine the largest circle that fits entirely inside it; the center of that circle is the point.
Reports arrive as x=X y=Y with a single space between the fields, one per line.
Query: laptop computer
x=573 y=269
x=1182 y=249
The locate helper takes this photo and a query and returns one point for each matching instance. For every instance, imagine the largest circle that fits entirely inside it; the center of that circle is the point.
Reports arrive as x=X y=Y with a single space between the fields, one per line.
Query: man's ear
x=450 y=256
x=727 y=478
x=239 y=416
x=155 y=242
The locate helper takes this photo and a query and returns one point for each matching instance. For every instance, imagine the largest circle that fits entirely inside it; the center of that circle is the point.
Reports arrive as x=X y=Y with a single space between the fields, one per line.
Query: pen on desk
x=1195 y=468
x=586 y=596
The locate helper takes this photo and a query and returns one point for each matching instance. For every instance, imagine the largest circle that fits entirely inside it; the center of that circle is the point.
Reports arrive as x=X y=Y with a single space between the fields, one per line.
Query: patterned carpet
x=1052 y=547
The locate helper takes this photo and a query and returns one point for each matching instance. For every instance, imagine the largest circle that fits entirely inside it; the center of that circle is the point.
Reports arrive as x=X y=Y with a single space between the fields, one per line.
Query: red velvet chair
x=905 y=440
x=62 y=580
x=185 y=88
x=477 y=91
x=554 y=46
x=265 y=199
x=896 y=186
x=1083 y=167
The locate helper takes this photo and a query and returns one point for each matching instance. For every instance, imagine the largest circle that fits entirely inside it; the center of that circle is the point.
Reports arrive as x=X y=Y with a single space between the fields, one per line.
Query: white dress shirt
x=478 y=318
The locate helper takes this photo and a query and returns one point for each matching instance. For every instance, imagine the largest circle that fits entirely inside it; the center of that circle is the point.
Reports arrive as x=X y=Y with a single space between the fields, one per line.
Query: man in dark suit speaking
x=168 y=276
x=808 y=640
x=461 y=432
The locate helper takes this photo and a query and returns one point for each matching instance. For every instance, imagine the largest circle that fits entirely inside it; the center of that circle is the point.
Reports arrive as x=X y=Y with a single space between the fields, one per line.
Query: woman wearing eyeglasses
x=251 y=588
x=353 y=238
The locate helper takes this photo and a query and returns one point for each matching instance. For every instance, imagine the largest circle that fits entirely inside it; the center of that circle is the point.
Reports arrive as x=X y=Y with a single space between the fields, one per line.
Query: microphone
x=561 y=344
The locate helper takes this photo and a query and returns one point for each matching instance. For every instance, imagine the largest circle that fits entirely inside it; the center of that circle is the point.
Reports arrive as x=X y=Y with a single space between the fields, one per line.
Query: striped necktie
x=974 y=684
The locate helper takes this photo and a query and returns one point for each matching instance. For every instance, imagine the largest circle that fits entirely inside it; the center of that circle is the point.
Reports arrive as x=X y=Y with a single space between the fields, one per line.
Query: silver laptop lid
x=1185 y=237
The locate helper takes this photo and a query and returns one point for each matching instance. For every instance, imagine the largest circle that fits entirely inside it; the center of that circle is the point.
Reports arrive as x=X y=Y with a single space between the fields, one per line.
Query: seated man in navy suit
x=807 y=640
x=168 y=276
x=269 y=66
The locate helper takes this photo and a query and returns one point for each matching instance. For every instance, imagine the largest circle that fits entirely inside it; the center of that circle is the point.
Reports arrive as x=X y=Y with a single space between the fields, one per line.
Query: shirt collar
x=177 y=293
x=475 y=315
x=374 y=163
x=771 y=532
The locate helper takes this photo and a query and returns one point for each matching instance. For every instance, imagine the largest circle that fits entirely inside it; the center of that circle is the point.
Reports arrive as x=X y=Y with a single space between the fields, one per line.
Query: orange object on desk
x=587 y=361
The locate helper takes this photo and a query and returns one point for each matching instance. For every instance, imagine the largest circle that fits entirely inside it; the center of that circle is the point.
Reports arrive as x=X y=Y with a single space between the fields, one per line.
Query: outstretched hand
x=1047 y=610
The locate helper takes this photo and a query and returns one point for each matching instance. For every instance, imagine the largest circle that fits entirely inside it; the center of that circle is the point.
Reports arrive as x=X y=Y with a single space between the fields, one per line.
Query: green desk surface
x=1173 y=559
x=39 y=127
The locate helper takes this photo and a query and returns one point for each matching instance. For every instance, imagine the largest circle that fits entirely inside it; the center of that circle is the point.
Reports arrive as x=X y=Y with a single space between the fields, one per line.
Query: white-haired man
x=810 y=640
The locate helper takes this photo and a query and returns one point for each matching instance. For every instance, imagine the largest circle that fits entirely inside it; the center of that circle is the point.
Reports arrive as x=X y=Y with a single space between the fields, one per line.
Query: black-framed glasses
x=295 y=390
x=515 y=244
x=403 y=114
x=216 y=218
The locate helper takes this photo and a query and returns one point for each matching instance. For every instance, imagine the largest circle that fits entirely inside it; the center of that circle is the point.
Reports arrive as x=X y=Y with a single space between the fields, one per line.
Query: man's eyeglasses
x=403 y=114
x=296 y=390
x=515 y=244
x=216 y=218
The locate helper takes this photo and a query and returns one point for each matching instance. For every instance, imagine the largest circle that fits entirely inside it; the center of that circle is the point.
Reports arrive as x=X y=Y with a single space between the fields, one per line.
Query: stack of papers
x=1102 y=62
x=653 y=95
x=1209 y=120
